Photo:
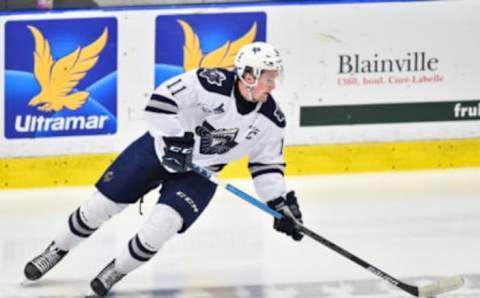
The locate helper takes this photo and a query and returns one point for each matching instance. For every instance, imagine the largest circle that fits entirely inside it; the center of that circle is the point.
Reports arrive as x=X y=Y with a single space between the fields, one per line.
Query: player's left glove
x=178 y=153
x=288 y=207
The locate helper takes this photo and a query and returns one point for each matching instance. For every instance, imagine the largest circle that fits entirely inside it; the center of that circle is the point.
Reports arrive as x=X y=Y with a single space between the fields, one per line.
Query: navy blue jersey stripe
x=267 y=171
x=164 y=99
x=256 y=164
x=157 y=110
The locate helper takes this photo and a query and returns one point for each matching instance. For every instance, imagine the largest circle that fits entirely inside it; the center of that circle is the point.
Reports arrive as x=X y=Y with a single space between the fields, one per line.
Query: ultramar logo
x=30 y=123
x=188 y=41
x=60 y=77
x=56 y=80
x=219 y=57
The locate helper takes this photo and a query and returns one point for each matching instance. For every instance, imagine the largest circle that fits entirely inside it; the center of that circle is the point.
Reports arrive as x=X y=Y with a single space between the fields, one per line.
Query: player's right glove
x=178 y=153
x=288 y=207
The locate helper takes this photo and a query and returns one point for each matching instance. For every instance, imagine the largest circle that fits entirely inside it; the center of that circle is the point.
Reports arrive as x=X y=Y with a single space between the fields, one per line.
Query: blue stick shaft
x=253 y=201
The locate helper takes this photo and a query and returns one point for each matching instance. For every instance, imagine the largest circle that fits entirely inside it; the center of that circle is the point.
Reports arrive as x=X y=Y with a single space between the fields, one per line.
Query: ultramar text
x=31 y=123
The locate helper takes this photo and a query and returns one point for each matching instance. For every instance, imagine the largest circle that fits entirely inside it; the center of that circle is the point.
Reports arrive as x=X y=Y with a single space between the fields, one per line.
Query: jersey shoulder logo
x=213 y=76
x=216 y=141
x=272 y=111
x=216 y=80
x=279 y=114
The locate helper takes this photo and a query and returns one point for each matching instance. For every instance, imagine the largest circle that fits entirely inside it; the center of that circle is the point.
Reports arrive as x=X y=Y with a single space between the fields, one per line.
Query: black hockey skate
x=105 y=280
x=42 y=263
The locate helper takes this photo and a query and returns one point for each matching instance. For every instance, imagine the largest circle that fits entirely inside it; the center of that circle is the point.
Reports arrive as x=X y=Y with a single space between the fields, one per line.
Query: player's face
x=266 y=84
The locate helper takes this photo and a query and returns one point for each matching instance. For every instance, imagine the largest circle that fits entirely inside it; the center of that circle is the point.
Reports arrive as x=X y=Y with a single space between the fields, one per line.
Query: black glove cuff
x=276 y=204
x=186 y=140
x=292 y=203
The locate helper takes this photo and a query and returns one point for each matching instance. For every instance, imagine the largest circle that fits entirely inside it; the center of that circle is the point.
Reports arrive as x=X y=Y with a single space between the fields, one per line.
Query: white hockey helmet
x=256 y=57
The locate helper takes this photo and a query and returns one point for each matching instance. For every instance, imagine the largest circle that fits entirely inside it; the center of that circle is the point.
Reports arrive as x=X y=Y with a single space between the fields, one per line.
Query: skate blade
x=91 y=294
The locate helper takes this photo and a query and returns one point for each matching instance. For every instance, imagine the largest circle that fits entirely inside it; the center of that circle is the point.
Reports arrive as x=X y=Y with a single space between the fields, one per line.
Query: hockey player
x=206 y=116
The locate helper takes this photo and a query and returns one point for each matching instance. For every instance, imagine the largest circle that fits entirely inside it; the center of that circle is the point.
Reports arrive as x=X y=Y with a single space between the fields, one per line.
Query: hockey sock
x=162 y=224
x=86 y=219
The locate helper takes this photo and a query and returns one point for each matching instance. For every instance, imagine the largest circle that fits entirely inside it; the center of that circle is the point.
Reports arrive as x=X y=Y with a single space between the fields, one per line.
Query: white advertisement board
x=353 y=73
x=384 y=72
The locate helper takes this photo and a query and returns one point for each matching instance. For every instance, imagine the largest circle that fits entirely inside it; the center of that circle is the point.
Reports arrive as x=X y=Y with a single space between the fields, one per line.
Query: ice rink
x=416 y=226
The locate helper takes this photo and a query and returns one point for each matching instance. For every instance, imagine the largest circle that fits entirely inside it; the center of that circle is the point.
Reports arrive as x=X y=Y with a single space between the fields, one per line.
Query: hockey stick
x=440 y=287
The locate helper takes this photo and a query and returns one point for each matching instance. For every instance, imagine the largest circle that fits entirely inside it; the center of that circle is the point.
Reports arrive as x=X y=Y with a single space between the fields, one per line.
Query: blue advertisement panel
x=60 y=78
x=186 y=42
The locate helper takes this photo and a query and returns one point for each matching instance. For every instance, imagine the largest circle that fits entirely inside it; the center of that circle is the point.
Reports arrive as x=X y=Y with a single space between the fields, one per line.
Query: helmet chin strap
x=249 y=88
x=250 y=93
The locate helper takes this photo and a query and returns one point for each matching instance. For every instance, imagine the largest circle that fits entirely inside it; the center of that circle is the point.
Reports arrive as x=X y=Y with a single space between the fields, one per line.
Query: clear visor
x=271 y=77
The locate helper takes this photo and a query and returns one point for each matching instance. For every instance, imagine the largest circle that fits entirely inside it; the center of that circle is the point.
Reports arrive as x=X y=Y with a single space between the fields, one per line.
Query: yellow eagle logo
x=223 y=56
x=57 y=79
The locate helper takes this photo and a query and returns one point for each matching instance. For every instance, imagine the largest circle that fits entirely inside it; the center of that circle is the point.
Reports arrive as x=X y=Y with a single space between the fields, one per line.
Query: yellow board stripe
x=71 y=170
x=374 y=157
x=75 y=170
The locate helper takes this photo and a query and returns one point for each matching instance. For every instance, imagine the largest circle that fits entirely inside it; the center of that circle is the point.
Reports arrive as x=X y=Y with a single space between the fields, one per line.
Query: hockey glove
x=178 y=153
x=288 y=207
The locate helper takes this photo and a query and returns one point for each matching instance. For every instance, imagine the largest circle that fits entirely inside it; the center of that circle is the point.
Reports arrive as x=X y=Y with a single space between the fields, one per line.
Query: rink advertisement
x=384 y=73
x=390 y=113
x=359 y=79
x=60 y=78
x=186 y=42
x=410 y=70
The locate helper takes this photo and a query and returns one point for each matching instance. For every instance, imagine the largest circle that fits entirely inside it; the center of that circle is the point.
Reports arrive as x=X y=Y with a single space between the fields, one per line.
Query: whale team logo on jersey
x=216 y=141
x=186 y=42
x=60 y=77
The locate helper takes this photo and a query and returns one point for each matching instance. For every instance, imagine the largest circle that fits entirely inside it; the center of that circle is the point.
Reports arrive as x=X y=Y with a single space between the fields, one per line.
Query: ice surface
x=416 y=226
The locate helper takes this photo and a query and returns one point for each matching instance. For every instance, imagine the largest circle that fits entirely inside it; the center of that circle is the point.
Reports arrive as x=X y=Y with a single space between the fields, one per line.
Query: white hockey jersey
x=226 y=127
